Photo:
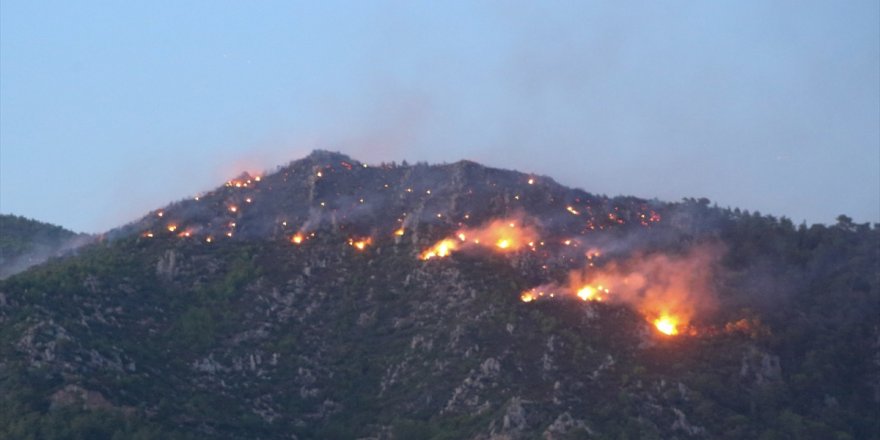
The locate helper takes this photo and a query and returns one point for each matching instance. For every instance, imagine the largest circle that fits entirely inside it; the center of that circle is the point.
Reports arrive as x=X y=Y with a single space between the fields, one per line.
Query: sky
x=111 y=109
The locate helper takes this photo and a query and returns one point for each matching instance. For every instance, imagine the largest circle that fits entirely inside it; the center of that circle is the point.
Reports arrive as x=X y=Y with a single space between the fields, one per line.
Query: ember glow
x=668 y=291
x=504 y=235
x=297 y=239
x=360 y=243
x=400 y=232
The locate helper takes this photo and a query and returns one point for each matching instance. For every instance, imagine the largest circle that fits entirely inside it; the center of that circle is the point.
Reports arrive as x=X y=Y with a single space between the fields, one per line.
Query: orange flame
x=360 y=244
x=667 y=325
x=442 y=249
x=668 y=291
x=297 y=238
x=503 y=235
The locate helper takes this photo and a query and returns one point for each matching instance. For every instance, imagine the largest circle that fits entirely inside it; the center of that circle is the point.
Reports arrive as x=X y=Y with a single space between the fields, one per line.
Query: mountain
x=334 y=299
x=25 y=242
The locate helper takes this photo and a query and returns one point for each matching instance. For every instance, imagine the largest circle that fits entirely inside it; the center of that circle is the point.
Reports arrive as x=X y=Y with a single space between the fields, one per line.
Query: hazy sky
x=110 y=109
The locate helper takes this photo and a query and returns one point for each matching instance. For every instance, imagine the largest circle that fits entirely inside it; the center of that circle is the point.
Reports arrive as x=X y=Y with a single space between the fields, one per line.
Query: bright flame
x=527 y=297
x=572 y=210
x=668 y=291
x=441 y=249
x=360 y=244
x=587 y=293
x=297 y=239
x=502 y=235
x=233 y=208
x=400 y=232
x=666 y=325
x=172 y=228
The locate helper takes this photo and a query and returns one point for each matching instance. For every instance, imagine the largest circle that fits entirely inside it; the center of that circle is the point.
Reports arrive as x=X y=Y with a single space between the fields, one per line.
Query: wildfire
x=667 y=325
x=587 y=293
x=502 y=235
x=233 y=208
x=172 y=228
x=360 y=244
x=527 y=297
x=572 y=210
x=668 y=291
x=400 y=232
x=441 y=249
x=297 y=239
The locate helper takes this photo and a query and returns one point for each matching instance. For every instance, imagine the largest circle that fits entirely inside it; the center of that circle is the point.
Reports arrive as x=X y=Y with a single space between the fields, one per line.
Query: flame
x=669 y=291
x=400 y=232
x=503 y=235
x=667 y=325
x=297 y=239
x=531 y=181
x=360 y=244
x=160 y=213
x=587 y=293
x=233 y=208
x=572 y=210
x=172 y=228
x=527 y=297
x=441 y=249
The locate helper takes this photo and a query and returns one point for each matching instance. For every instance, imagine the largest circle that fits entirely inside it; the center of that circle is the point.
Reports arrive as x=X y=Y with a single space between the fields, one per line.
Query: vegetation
x=170 y=337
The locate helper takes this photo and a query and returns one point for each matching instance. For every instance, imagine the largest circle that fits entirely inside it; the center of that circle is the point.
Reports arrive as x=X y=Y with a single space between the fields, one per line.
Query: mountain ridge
x=357 y=331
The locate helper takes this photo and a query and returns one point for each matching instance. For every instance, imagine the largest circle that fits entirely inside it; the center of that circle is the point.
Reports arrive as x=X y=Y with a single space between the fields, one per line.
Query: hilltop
x=25 y=243
x=337 y=299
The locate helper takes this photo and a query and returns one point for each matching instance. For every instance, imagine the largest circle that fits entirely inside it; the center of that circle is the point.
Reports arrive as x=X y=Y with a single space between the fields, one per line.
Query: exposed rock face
x=762 y=368
x=253 y=335
x=166 y=268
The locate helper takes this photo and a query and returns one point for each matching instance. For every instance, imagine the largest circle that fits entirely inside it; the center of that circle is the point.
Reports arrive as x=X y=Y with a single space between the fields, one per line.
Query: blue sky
x=110 y=109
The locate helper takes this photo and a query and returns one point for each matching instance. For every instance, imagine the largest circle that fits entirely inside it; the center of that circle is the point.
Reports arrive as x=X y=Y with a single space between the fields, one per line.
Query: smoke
x=504 y=235
x=678 y=286
x=40 y=253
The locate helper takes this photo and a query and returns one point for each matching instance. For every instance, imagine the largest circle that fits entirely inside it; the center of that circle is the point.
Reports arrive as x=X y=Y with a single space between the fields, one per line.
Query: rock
x=762 y=367
x=682 y=424
x=515 y=416
x=563 y=425
x=166 y=268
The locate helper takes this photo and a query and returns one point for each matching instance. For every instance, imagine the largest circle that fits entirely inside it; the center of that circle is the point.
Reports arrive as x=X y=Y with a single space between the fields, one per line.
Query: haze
x=109 y=110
